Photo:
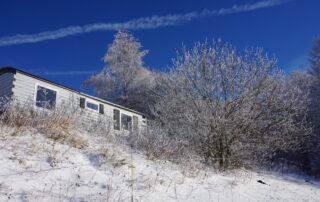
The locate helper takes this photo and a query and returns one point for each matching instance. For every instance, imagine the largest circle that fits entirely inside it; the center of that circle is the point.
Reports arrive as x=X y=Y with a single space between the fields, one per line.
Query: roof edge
x=4 y=70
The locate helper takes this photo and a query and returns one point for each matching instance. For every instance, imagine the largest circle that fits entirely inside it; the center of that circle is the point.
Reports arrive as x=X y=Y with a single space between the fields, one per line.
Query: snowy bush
x=157 y=144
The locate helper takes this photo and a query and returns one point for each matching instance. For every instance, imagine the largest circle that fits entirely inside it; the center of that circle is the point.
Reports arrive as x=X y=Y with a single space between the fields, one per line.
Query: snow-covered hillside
x=36 y=168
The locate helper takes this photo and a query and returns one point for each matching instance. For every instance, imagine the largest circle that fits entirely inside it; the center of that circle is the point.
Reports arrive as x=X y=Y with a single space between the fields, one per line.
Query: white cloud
x=152 y=22
x=61 y=73
x=46 y=72
x=67 y=73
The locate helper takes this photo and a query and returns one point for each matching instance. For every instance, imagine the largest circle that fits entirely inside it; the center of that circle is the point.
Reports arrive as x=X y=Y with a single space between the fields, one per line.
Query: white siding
x=25 y=91
x=25 y=88
x=6 y=82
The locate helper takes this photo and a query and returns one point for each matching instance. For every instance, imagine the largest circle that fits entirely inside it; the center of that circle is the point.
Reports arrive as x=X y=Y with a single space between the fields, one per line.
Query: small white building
x=23 y=87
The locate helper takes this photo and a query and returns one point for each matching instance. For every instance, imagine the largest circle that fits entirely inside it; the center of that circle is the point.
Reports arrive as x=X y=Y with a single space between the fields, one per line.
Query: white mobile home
x=22 y=87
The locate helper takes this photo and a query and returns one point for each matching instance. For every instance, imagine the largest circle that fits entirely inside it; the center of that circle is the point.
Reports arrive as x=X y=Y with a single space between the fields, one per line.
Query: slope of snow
x=36 y=168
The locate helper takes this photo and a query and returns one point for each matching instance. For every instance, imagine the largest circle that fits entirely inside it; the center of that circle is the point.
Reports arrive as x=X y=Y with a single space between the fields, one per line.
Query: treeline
x=228 y=108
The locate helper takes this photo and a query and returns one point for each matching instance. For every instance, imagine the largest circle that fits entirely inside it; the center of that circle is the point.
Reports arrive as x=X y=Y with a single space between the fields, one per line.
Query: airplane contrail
x=143 y=23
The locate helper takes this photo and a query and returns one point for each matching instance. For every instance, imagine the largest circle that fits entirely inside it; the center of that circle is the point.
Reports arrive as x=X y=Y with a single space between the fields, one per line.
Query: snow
x=36 y=168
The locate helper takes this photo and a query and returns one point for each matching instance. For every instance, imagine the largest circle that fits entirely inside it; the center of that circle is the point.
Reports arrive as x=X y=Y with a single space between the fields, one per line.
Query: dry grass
x=60 y=125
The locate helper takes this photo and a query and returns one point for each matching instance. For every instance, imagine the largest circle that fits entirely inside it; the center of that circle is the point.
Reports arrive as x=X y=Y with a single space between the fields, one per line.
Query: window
x=92 y=106
x=46 y=98
x=126 y=122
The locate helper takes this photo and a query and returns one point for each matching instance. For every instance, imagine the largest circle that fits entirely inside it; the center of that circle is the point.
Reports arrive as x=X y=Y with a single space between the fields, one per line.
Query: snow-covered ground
x=35 y=168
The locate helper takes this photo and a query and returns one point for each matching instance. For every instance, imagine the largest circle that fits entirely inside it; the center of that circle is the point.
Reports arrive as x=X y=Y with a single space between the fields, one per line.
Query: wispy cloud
x=152 y=22
x=45 y=72
x=67 y=73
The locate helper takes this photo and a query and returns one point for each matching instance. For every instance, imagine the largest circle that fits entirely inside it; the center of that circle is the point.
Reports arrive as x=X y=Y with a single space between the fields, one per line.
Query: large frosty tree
x=314 y=107
x=315 y=86
x=230 y=107
x=124 y=78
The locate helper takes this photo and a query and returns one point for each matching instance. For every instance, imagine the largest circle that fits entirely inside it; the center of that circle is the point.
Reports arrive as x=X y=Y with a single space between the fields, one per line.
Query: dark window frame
x=116 y=119
x=101 y=109
x=82 y=103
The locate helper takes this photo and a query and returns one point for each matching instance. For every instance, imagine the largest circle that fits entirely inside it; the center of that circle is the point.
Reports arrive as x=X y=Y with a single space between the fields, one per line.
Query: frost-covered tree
x=307 y=157
x=314 y=107
x=124 y=79
x=315 y=86
x=315 y=59
x=230 y=107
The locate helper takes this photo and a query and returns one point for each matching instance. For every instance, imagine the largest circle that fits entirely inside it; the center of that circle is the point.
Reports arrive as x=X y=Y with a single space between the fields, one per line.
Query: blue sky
x=80 y=31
